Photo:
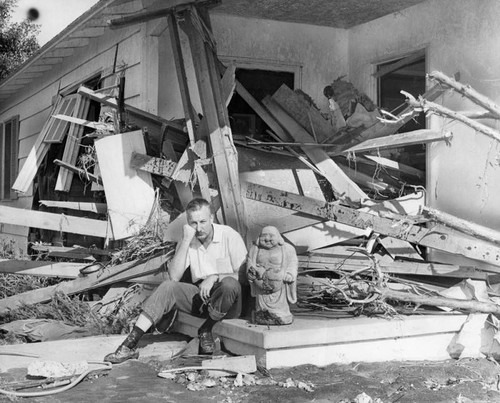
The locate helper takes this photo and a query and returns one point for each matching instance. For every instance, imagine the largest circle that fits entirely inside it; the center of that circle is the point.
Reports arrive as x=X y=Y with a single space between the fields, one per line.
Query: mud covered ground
x=466 y=380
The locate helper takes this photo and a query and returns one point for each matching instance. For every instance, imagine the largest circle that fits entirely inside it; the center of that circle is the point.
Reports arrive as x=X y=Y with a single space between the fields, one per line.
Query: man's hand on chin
x=206 y=286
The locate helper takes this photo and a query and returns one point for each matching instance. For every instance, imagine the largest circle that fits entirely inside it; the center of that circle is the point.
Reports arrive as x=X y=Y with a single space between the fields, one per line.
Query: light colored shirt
x=225 y=254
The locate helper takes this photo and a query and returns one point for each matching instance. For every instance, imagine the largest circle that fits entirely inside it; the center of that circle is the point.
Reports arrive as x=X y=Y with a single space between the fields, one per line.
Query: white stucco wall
x=459 y=36
x=318 y=54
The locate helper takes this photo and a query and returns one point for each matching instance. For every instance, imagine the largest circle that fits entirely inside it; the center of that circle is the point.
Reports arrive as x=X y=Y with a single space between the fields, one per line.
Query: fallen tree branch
x=428 y=106
x=466 y=91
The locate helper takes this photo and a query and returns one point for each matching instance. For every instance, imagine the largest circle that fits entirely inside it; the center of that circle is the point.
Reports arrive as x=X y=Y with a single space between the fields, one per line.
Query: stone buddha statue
x=272 y=273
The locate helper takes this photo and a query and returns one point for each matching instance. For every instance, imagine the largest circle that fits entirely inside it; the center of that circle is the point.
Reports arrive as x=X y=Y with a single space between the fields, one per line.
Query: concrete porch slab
x=322 y=342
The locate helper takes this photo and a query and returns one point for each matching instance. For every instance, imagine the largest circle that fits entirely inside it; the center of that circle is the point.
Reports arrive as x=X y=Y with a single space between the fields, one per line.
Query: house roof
x=333 y=13
x=330 y=13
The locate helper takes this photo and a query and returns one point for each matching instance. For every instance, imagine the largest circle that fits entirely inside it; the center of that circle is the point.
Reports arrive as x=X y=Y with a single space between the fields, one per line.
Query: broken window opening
x=48 y=172
x=259 y=83
x=409 y=77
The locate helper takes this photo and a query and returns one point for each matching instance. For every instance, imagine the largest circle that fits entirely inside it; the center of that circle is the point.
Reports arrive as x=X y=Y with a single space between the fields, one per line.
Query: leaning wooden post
x=467 y=91
x=215 y=113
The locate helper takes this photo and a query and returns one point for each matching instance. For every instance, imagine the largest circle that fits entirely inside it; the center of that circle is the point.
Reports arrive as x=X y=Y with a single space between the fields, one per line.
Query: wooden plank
x=86 y=123
x=183 y=192
x=340 y=182
x=175 y=43
x=79 y=171
x=228 y=83
x=409 y=268
x=220 y=136
x=304 y=113
x=124 y=272
x=76 y=252
x=100 y=208
x=153 y=165
x=396 y=165
x=72 y=146
x=129 y=193
x=109 y=100
x=423 y=136
x=40 y=268
x=447 y=242
x=420 y=54
x=262 y=112
x=54 y=222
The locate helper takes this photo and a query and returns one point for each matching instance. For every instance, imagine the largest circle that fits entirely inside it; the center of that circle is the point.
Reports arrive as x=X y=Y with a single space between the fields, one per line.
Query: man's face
x=268 y=238
x=201 y=220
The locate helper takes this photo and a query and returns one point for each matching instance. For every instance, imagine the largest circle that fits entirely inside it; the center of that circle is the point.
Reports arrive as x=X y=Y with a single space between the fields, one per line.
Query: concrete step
x=322 y=342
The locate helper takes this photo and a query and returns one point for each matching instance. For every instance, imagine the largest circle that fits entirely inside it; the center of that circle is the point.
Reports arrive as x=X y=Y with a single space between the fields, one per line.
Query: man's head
x=269 y=238
x=199 y=216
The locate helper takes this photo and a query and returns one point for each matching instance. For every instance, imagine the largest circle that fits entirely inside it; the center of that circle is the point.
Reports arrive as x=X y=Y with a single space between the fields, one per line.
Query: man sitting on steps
x=215 y=254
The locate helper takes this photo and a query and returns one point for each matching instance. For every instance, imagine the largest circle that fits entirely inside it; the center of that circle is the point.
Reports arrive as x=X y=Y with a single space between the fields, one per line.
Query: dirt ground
x=466 y=380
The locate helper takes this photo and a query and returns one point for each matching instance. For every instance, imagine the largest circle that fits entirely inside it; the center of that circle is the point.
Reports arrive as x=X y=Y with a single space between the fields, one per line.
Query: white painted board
x=129 y=193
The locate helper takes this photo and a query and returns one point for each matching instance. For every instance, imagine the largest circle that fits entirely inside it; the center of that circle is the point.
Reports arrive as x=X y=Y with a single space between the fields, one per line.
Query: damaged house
x=344 y=124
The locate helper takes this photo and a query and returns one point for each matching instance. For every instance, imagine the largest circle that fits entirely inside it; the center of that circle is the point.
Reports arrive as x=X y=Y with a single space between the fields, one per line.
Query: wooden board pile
x=394 y=232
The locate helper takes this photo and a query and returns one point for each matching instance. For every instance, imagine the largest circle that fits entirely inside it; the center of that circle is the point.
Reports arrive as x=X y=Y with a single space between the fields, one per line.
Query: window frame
x=6 y=181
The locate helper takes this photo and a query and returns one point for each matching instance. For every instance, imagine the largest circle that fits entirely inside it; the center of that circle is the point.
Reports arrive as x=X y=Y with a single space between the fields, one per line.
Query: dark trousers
x=224 y=301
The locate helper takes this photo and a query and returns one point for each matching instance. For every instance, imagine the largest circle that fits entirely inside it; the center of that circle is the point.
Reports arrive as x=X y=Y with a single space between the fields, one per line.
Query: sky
x=55 y=15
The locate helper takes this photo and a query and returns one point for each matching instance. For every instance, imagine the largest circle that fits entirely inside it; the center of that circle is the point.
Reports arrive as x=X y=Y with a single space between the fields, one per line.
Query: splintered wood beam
x=79 y=171
x=115 y=274
x=54 y=222
x=395 y=228
x=432 y=107
x=225 y=160
x=100 y=208
x=408 y=268
x=462 y=225
x=153 y=165
x=423 y=136
x=109 y=100
x=466 y=91
x=180 y=68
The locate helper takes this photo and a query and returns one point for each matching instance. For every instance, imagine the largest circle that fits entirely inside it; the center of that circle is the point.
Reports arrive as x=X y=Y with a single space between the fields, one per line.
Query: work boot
x=167 y=321
x=122 y=353
x=207 y=343
x=126 y=350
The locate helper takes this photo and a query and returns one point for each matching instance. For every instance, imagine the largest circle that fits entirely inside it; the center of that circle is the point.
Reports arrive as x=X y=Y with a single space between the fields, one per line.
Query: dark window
x=259 y=83
x=410 y=78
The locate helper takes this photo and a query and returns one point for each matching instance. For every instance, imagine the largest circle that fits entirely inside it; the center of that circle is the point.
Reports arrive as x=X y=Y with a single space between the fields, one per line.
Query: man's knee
x=230 y=285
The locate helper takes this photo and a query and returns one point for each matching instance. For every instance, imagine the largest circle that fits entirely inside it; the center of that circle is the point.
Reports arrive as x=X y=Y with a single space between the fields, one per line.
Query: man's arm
x=177 y=265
